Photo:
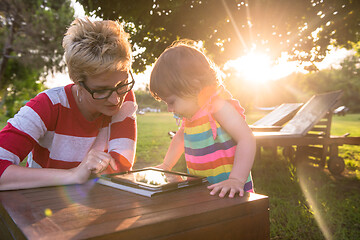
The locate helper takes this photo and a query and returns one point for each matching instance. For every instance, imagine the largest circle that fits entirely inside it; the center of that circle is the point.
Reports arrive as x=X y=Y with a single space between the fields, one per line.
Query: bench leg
x=258 y=153
x=324 y=154
x=336 y=164
x=274 y=152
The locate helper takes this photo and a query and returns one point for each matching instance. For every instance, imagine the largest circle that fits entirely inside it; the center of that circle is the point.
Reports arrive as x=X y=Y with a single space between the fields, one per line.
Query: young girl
x=217 y=141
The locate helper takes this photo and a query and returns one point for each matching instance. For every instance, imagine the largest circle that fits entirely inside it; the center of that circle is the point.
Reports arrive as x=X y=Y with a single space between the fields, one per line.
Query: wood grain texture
x=93 y=211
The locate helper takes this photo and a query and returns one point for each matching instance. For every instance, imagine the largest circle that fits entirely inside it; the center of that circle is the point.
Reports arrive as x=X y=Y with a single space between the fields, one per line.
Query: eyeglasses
x=106 y=93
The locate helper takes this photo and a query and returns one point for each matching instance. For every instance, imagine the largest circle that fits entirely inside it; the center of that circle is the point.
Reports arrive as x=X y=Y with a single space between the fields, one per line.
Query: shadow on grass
x=307 y=202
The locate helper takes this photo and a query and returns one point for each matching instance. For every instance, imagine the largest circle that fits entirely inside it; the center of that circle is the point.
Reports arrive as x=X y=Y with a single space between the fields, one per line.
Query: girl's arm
x=234 y=124
x=175 y=150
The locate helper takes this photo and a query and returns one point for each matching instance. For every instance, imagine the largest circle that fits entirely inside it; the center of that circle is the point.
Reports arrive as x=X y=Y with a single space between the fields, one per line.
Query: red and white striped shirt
x=55 y=133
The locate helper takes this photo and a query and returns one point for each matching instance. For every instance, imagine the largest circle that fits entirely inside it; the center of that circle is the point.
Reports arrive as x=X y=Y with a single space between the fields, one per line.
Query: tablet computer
x=156 y=179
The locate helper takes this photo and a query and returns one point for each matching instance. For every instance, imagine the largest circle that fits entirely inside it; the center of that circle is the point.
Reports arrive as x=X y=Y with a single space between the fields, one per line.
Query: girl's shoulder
x=218 y=103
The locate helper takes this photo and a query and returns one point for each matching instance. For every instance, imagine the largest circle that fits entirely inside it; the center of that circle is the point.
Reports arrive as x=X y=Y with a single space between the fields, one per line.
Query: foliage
x=229 y=28
x=3 y=120
x=144 y=99
x=31 y=41
x=346 y=78
x=22 y=87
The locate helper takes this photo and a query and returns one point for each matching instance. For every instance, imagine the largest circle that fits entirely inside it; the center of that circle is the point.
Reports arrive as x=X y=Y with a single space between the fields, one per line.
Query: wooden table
x=93 y=211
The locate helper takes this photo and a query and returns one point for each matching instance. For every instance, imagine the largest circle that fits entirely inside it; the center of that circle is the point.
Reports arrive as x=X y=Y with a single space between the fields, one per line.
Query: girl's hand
x=231 y=185
x=163 y=166
x=95 y=162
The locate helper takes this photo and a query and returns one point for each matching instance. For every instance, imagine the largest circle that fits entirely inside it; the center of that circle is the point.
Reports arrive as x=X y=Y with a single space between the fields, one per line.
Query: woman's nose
x=114 y=98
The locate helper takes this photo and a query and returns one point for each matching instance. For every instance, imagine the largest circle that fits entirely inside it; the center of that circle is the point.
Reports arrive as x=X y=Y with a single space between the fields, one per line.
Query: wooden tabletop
x=100 y=212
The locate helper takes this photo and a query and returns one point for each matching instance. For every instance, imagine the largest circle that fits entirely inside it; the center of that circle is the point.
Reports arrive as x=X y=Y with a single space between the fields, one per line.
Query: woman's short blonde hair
x=94 y=47
x=182 y=70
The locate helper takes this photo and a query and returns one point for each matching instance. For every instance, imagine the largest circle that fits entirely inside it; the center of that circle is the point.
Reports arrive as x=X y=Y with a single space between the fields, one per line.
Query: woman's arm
x=18 y=177
x=123 y=135
x=234 y=124
x=175 y=150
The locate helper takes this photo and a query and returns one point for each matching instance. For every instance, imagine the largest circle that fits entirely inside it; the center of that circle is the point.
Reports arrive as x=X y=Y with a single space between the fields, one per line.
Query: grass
x=305 y=202
x=153 y=138
x=3 y=120
x=351 y=154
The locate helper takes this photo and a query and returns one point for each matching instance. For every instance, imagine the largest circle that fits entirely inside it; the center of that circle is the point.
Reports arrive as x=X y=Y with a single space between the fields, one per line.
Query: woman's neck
x=83 y=105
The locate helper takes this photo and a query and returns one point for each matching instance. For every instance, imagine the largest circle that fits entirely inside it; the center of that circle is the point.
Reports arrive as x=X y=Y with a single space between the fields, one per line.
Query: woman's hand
x=18 y=177
x=95 y=162
x=231 y=185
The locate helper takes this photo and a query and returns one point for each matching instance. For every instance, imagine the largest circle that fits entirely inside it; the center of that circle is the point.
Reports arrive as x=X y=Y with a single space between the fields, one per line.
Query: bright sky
x=253 y=67
x=258 y=67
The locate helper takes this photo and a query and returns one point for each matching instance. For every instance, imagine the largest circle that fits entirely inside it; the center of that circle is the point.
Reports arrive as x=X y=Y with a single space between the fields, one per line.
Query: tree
x=345 y=78
x=230 y=28
x=31 y=41
x=144 y=99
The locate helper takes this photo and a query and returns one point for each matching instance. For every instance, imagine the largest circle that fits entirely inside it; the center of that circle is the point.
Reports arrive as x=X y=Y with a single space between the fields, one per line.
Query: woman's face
x=102 y=86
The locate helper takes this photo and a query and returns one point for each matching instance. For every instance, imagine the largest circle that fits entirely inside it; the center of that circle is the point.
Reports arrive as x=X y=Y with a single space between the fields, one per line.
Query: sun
x=253 y=67
x=260 y=68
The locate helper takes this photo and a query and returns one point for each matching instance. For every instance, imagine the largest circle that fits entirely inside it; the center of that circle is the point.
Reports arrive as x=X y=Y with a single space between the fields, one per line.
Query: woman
x=82 y=128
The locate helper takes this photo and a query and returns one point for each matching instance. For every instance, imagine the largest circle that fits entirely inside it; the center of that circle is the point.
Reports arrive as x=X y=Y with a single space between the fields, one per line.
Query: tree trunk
x=3 y=99
x=5 y=56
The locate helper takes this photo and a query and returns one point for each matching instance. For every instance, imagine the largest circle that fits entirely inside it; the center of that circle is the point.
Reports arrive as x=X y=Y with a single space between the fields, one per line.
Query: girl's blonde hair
x=96 y=47
x=182 y=70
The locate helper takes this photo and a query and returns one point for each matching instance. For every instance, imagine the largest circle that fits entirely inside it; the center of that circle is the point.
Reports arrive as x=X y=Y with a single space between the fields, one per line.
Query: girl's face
x=103 y=86
x=182 y=106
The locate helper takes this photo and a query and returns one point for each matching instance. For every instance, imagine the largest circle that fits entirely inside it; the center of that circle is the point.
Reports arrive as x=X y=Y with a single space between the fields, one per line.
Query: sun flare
x=259 y=68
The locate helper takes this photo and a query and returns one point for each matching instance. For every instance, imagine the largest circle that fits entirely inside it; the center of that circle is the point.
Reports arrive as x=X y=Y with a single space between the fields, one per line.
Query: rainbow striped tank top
x=209 y=150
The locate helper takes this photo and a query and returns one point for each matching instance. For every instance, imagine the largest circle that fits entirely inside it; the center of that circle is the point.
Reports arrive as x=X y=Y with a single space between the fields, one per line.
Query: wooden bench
x=308 y=134
x=274 y=120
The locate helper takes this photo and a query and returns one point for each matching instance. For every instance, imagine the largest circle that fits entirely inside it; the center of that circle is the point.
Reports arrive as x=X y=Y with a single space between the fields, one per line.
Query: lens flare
x=48 y=212
x=313 y=204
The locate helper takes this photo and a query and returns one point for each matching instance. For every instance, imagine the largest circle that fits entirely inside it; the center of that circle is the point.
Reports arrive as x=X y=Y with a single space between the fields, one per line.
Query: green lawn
x=153 y=138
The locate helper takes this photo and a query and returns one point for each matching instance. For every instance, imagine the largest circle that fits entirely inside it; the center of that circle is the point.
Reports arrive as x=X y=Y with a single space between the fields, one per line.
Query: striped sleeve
x=123 y=134
x=23 y=131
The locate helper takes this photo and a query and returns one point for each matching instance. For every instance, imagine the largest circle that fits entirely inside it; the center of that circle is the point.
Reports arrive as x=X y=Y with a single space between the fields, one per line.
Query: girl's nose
x=170 y=109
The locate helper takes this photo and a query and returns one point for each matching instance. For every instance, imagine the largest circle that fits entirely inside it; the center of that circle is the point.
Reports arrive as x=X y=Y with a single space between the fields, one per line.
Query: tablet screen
x=156 y=179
